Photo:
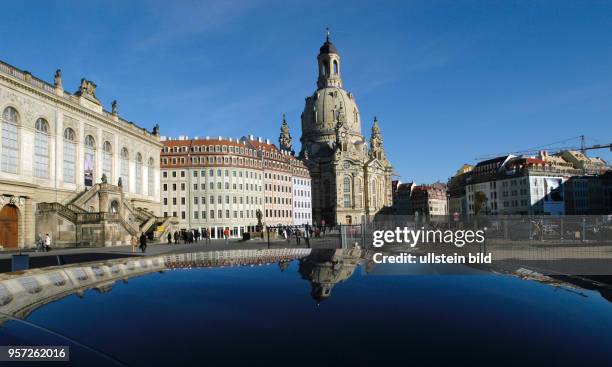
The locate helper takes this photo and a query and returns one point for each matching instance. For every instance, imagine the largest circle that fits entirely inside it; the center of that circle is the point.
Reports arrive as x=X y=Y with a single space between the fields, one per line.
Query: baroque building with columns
x=70 y=168
x=351 y=180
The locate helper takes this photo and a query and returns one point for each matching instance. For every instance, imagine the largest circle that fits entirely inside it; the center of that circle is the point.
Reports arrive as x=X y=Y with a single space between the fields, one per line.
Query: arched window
x=125 y=169
x=41 y=149
x=151 y=177
x=10 y=140
x=336 y=71
x=359 y=193
x=89 y=160
x=138 y=173
x=114 y=207
x=107 y=160
x=69 y=156
x=346 y=188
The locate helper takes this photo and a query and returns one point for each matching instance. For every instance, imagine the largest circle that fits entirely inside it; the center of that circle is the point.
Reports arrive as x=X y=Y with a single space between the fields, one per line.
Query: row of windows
x=302 y=204
x=249 y=200
x=220 y=186
x=302 y=215
x=303 y=193
x=301 y=181
x=211 y=173
x=219 y=214
x=515 y=203
x=213 y=160
x=226 y=173
x=275 y=176
x=234 y=186
x=10 y=153
x=235 y=214
x=212 y=148
x=279 y=213
x=278 y=188
x=278 y=200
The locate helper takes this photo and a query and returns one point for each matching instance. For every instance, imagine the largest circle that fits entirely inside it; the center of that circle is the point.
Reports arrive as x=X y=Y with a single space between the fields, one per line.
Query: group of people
x=140 y=241
x=189 y=236
x=43 y=244
x=287 y=232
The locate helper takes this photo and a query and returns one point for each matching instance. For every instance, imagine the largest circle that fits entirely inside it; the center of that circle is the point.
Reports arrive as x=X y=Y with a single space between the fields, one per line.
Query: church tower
x=329 y=65
x=350 y=182
x=284 y=139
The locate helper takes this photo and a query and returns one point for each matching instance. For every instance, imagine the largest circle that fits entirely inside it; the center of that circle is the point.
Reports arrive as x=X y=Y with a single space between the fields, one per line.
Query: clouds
x=176 y=21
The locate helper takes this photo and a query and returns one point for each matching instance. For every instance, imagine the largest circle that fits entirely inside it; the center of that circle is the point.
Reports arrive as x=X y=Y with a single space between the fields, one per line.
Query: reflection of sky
x=227 y=315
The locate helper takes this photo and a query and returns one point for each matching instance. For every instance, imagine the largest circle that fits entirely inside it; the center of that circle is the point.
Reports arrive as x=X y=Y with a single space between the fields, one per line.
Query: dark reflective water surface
x=326 y=309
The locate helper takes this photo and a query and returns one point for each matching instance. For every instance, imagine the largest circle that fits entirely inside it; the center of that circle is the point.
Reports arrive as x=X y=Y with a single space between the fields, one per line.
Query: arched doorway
x=9 y=220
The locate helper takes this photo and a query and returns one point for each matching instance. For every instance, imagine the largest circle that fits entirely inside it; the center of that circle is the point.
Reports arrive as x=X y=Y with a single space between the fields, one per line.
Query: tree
x=480 y=201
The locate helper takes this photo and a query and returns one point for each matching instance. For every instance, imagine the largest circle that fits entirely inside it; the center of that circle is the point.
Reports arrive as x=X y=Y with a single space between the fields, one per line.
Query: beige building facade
x=55 y=149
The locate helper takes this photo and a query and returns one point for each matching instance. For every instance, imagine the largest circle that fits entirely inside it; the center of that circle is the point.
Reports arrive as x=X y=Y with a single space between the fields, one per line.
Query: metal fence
x=576 y=245
x=567 y=228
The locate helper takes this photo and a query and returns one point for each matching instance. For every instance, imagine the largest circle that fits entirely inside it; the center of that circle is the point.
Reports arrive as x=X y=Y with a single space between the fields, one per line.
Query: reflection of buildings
x=22 y=293
x=55 y=147
x=326 y=268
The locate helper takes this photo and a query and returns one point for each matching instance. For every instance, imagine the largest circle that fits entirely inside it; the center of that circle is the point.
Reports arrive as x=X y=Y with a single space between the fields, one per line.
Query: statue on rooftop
x=58 y=78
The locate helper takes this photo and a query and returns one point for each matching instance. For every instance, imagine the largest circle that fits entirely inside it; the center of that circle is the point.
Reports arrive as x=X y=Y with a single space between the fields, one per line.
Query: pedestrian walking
x=47 y=243
x=206 y=236
x=176 y=237
x=307 y=235
x=169 y=238
x=134 y=242
x=40 y=243
x=297 y=236
x=226 y=234
x=143 y=243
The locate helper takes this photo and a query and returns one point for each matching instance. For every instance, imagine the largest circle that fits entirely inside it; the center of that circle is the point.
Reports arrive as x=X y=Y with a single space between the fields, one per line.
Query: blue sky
x=449 y=80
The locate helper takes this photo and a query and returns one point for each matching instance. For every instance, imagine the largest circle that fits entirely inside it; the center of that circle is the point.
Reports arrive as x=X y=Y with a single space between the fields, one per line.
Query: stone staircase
x=75 y=225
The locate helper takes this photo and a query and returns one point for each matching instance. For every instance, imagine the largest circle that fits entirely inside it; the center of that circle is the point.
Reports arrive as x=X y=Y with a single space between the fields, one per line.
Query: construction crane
x=583 y=148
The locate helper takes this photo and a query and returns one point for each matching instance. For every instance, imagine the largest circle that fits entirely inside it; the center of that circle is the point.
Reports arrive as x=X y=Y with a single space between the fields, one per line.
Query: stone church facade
x=351 y=179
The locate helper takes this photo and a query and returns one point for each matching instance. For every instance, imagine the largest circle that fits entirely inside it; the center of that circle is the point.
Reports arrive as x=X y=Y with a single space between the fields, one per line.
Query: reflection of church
x=327 y=267
x=351 y=180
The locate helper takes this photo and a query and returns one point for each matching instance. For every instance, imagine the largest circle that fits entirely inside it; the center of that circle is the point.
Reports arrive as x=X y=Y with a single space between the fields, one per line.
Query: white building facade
x=55 y=145
x=215 y=184
x=302 y=194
